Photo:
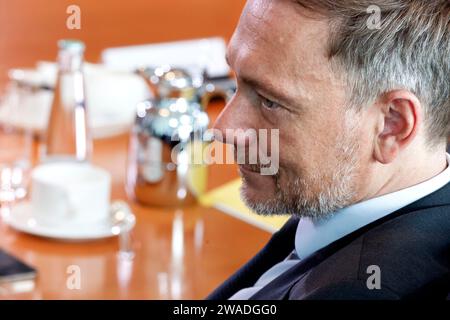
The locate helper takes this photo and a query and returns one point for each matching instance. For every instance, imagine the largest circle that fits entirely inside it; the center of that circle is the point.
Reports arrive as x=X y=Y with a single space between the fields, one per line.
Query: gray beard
x=297 y=198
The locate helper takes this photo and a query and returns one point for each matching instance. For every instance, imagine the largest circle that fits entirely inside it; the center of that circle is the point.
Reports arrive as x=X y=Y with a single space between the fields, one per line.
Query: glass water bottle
x=68 y=136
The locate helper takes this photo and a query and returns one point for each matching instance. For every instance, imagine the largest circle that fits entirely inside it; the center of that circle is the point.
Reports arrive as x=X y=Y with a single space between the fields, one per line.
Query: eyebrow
x=265 y=88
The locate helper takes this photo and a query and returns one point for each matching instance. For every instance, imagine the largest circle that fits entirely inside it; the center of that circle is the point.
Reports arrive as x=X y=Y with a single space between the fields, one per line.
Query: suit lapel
x=277 y=249
x=279 y=288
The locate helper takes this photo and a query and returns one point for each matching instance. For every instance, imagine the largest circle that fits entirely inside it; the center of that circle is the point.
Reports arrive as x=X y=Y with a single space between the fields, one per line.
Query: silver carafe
x=165 y=161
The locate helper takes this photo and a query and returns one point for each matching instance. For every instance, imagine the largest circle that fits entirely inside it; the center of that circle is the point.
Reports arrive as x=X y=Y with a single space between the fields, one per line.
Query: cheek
x=310 y=153
x=297 y=150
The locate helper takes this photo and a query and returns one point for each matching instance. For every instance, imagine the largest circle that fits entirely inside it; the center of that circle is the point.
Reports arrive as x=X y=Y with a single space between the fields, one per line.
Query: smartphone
x=12 y=269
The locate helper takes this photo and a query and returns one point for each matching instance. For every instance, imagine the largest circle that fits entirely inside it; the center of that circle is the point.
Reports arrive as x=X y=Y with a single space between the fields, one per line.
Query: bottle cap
x=71 y=45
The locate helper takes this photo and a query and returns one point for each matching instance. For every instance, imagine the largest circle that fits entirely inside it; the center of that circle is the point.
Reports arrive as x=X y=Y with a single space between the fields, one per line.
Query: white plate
x=21 y=218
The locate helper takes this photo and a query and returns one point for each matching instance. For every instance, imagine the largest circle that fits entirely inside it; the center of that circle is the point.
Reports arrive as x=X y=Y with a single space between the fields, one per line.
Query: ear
x=400 y=116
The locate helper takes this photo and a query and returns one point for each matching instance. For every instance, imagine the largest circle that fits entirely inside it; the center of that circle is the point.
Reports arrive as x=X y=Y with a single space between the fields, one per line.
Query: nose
x=235 y=117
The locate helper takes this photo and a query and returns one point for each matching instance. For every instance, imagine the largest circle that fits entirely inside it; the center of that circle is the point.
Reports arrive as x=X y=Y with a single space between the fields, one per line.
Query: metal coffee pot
x=165 y=166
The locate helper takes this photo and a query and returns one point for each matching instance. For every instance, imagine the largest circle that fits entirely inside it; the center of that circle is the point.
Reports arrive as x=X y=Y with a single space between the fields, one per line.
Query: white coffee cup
x=70 y=193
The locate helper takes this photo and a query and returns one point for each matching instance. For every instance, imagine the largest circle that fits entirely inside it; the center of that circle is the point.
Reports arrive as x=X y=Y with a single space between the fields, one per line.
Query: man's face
x=285 y=82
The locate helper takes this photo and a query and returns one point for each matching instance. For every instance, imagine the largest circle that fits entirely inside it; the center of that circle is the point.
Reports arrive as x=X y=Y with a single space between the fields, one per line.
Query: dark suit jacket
x=410 y=246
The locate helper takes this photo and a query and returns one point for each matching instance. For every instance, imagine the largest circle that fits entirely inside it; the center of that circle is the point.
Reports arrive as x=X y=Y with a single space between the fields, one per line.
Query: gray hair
x=409 y=50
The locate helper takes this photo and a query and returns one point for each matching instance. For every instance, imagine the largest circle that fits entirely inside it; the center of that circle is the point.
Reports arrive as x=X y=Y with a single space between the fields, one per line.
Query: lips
x=251 y=168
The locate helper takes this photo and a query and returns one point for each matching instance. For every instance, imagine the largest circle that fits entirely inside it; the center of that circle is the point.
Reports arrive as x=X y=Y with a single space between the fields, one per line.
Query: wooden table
x=179 y=253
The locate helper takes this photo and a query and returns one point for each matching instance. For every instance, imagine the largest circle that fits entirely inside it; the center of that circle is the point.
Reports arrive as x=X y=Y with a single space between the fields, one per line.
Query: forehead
x=275 y=38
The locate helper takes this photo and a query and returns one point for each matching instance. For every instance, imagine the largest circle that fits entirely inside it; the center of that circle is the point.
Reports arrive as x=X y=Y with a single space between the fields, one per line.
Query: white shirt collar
x=315 y=235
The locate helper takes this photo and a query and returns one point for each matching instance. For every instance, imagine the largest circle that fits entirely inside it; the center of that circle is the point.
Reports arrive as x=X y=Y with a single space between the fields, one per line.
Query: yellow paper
x=227 y=199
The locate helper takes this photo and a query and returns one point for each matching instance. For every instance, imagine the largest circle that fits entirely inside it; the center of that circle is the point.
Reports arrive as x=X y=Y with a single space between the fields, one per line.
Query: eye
x=267 y=103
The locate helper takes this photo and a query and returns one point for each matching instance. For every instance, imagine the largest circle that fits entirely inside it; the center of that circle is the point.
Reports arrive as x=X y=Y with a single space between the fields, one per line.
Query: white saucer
x=21 y=218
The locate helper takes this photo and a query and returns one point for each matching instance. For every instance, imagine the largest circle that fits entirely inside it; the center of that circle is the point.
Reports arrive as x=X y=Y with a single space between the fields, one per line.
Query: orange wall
x=29 y=29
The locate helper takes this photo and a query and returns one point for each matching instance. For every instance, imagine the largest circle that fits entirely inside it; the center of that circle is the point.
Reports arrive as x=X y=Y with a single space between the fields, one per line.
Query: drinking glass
x=15 y=146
